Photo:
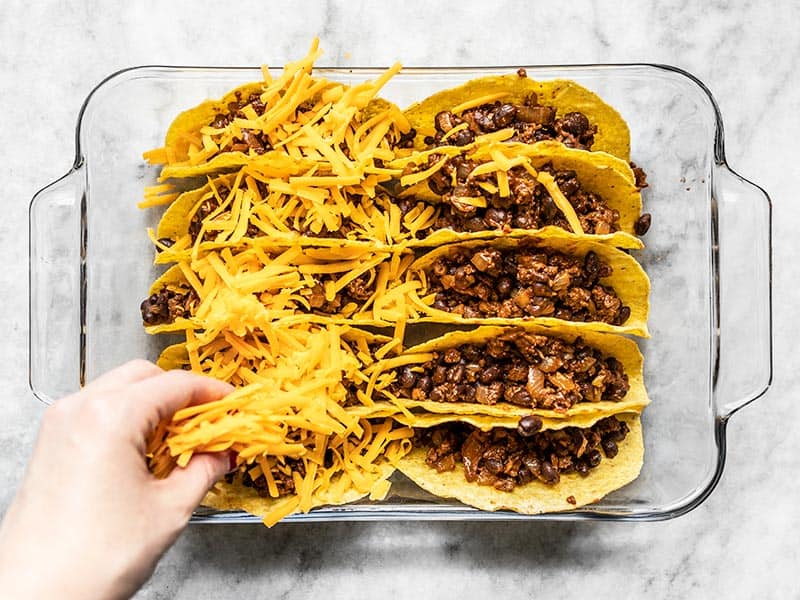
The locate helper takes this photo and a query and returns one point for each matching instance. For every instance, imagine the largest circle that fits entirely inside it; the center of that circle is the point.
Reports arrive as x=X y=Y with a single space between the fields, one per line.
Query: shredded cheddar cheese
x=282 y=257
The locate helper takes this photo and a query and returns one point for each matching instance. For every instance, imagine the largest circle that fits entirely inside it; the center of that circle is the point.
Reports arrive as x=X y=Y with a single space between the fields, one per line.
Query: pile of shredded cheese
x=305 y=382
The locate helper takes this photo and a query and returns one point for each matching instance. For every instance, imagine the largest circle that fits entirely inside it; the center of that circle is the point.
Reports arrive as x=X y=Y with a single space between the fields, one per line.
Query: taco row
x=360 y=383
x=324 y=208
x=550 y=279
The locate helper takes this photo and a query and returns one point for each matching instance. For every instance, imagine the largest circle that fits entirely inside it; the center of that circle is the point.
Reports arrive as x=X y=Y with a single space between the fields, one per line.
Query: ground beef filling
x=281 y=473
x=167 y=305
x=534 y=371
x=529 y=205
x=357 y=291
x=527 y=281
x=532 y=122
x=258 y=142
x=250 y=140
x=210 y=205
x=504 y=459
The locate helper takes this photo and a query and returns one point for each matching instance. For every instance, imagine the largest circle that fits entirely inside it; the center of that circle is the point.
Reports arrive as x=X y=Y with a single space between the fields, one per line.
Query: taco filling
x=531 y=121
x=167 y=305
x=282 y=475
x=526 y=281
x=410 y=221
x=525 y=369
x=505 y=458
x=472 y=203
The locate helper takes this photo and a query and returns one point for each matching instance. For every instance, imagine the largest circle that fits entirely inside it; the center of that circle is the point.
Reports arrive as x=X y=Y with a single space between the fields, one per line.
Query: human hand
x=89 y=520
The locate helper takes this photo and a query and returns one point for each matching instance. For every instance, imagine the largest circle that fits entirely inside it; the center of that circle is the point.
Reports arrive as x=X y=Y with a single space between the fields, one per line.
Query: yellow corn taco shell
x=372 y=222
x=172 y=279
x=187 y=125
x=628 y=280
x=487 y=422
x=173 y=357
x=598 y=172
x=613 y=135
x=254 y=287
x=535 y=497
x=231 y=496
x=623 y=349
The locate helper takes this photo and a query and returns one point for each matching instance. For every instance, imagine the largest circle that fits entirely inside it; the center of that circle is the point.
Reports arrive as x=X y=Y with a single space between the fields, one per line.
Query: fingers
x=188 y=485
x=158 y=397
x=130 y=372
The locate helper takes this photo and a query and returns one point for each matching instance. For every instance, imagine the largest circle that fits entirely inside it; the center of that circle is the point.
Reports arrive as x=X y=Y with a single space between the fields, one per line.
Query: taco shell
x=628 y=280
x=613 y=135
x=534 y=497
x=623 y=349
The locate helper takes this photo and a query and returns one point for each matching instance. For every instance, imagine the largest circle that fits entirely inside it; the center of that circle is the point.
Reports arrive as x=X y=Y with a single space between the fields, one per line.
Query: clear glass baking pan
x=708 y=256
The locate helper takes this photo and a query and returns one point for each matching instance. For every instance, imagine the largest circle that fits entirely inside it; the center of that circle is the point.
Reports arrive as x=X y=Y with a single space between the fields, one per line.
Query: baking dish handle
x=55 y=263
x=743 y=239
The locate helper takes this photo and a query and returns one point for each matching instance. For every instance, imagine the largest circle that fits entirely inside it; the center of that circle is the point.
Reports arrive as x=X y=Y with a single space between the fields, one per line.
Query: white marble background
x=742 y=543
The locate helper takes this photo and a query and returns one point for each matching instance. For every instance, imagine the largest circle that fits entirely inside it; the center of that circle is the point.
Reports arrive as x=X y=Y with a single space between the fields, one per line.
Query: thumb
x=187 y=485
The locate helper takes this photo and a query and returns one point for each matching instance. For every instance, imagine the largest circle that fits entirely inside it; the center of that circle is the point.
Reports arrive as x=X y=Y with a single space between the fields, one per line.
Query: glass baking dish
x=708 y=256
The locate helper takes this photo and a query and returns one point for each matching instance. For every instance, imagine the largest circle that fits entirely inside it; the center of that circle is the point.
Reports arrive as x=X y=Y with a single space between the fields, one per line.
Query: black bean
x=496 y=217
x=166 y=242
x=494 y=465
x=462 y=138
x=549 y=474
x=609 y=448
x=524 y=475
x=440 y=375
x=593 y=458
x=456 y=374
x=575 y=123
x=522 y=398
x=424 y=384
x=504 y=115
x=504 y=287
x=529 y=425
x=642 y=225
x=407 y=378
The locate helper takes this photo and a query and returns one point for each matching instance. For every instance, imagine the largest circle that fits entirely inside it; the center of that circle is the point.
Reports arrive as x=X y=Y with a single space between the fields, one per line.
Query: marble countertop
x=740 y=543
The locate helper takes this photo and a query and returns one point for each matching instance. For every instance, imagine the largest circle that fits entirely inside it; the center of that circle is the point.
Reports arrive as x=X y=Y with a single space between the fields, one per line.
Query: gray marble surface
x=741 y=543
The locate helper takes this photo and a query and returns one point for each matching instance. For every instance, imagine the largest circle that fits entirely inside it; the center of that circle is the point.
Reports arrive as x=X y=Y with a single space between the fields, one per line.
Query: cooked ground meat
x=505 y=459
x=529 y=205
x=522 y=368
x=167 y=305
x=281 y=473
x=406 y=140
x=526 y=281
x=210 y=205
x=255 y=140
x=532 y=122
x=357 y=291
x=258 y=141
